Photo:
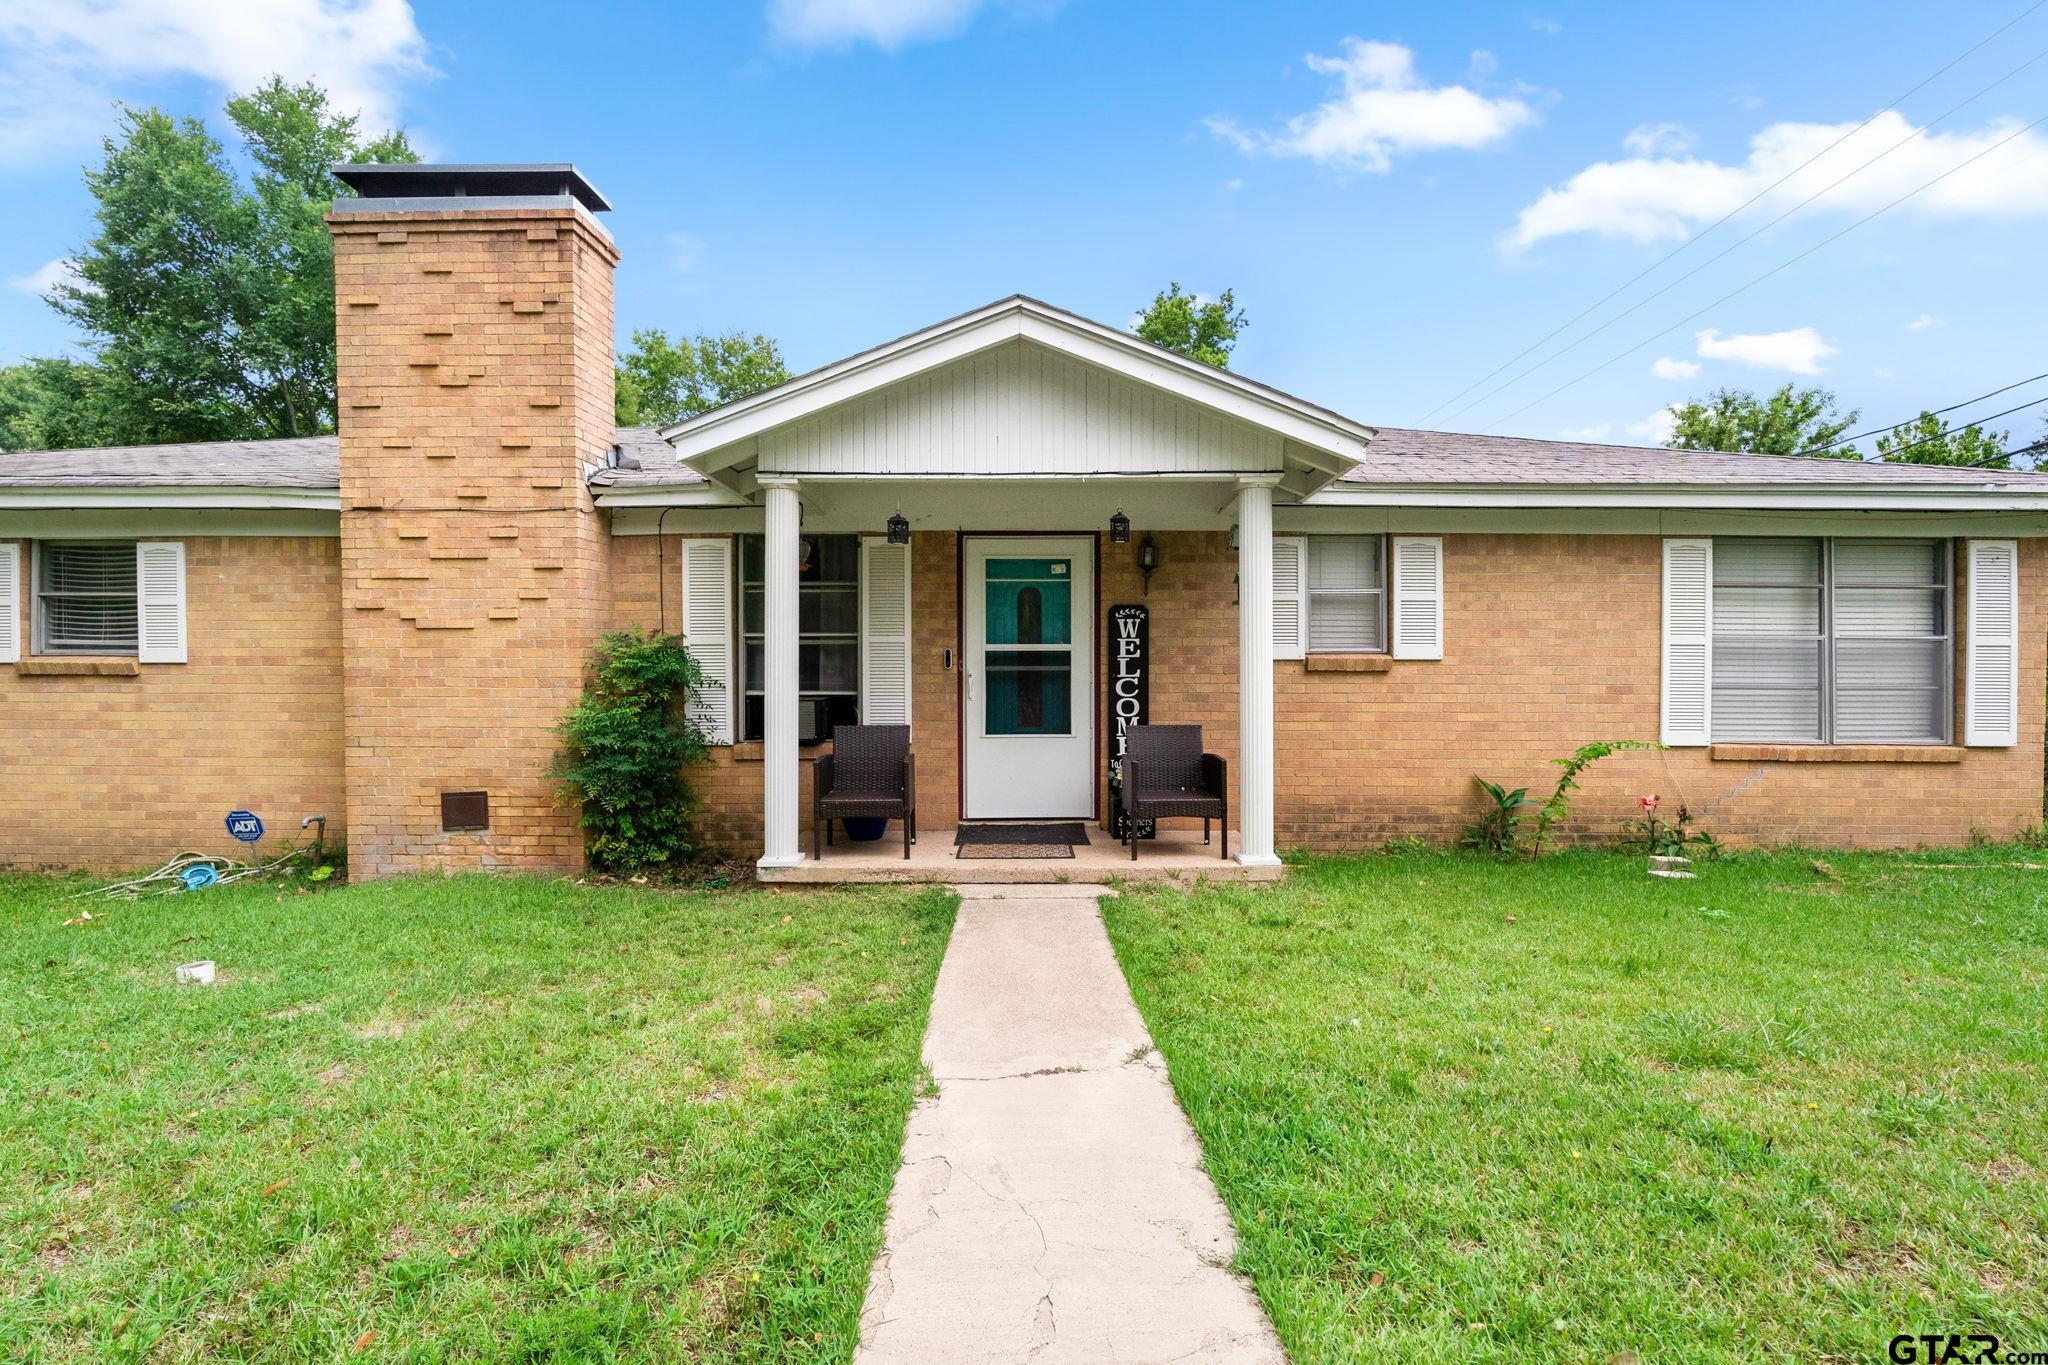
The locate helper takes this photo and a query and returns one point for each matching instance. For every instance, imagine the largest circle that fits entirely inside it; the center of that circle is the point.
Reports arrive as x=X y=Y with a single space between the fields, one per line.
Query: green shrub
x=624 y=747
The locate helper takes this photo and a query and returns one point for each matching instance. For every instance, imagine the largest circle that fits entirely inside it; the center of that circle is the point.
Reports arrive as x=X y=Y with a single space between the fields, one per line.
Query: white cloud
x=1882 y=373
x=1549 y=27
x=1651 y=197
x=1926 y=322
x=1598 y=431
x=45 y=278
x=63 y=61
x=1233 y=185
x=1664 y=367
x=1656 y=428
x=1381 y=110
x=1660 y=139
x=888 y=24
x=1798 y=351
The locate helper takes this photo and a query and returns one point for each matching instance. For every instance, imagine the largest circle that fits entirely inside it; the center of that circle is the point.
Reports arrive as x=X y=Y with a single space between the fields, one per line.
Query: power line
x=1773 y=271
x=1752 y=236
x=1880 y=431
x=1978 y=422
x=1738 y=209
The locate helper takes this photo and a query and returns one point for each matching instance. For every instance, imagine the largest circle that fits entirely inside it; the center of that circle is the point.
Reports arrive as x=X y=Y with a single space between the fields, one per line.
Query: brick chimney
x=473 y=316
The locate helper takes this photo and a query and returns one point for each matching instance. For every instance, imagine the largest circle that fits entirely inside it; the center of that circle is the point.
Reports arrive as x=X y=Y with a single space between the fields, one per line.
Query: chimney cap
x=432 y=185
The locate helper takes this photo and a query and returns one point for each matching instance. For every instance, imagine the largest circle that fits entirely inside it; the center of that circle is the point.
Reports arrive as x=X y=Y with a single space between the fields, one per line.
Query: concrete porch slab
x=1176 y=855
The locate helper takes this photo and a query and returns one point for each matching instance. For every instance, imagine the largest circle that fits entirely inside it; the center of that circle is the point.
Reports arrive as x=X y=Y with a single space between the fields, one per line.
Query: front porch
x=994 y=533
x=1177 y=855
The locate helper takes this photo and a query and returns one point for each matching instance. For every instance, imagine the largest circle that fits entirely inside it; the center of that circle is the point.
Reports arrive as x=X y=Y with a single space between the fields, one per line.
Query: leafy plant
x=1673 y=838
x=1560 y=803
x=1500 y=827
x=624 y=746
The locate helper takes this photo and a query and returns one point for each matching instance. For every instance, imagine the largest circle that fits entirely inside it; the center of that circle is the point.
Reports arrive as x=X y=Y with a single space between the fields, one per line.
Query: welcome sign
x=1130 y=699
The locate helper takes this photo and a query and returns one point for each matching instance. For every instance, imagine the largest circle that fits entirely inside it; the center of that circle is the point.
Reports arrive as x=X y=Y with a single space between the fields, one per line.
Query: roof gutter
x=181 y=496
x=1728 y=497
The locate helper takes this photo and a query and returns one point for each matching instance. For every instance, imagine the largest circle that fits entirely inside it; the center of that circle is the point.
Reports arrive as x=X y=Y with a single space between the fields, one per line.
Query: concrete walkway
x=1051 y=1205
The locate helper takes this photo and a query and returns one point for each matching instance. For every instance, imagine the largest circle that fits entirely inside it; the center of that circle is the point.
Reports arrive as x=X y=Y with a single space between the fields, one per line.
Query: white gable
x=1018 y=389
x=1020 y=409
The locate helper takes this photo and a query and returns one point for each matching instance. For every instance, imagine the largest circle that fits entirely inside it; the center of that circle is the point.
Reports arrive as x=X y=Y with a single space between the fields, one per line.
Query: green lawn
x=1463 y=1109
x=453 y=1118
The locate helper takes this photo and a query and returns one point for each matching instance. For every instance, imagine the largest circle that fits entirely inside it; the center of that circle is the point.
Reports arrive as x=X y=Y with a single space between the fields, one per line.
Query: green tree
x=1788 y=422
x=662 y=381
x=52 y=404
x=208 y=305
x=1205 y=330
x=1929 y=440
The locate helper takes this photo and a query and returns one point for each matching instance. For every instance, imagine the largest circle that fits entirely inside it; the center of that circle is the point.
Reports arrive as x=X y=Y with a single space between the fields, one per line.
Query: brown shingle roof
x=300 y=462
x=1401 y=455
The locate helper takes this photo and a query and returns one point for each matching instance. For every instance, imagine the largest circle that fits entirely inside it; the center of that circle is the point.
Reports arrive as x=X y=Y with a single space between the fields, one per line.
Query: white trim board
x=1730 y=497
x=65 y=523
x=179 y=496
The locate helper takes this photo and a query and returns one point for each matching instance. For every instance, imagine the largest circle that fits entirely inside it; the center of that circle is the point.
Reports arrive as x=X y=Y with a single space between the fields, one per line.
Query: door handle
x=967 y=676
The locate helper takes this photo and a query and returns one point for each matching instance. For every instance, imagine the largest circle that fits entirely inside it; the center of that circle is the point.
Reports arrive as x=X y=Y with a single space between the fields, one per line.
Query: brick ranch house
x=1361 y=618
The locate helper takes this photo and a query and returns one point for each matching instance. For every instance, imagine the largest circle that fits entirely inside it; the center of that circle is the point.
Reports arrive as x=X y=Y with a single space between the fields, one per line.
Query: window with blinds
x=828 y=635
x=1823 y=641
x=85 y=598
x=1347 y=592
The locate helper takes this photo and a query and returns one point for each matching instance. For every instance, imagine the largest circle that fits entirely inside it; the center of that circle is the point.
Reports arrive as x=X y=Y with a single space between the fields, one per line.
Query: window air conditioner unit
x=813 y=720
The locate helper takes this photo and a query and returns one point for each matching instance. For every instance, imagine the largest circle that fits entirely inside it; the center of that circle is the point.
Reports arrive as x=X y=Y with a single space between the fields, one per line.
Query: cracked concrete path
x=1051 y=1205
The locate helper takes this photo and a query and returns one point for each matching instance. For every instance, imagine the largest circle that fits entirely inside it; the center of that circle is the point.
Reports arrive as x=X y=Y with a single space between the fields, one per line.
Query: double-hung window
x=828 y=634
x=1827 y=641
x=85 y=597
x=1347 y=595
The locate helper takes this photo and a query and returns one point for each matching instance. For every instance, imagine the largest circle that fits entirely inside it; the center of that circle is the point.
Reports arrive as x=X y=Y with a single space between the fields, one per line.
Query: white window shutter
x=160 y=601
x=10 y=603
x=707 y=632
x=1417 y=576
x=1688 y=643
x=1290 y=596
x=1991 y=716
x=884 y=632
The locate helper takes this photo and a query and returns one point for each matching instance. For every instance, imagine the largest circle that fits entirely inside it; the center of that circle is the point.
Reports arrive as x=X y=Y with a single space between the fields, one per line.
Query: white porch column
x=1255 y=671
x=780 y=780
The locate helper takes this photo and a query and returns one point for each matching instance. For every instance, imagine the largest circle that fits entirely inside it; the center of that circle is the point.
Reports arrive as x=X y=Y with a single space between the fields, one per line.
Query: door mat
x=1054 y=840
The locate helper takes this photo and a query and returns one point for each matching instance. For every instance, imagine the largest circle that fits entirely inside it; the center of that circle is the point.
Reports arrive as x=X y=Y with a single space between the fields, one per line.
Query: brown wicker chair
x=1166 y=774
x=869 y=773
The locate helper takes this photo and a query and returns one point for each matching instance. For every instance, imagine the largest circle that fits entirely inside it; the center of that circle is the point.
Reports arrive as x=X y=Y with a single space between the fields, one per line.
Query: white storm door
x=1028 y=680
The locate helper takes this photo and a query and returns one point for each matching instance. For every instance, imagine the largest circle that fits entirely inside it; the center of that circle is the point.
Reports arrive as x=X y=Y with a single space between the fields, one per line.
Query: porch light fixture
x=1119 y=528
x=1233 y=536
x=1148 y=560
x=899 y=530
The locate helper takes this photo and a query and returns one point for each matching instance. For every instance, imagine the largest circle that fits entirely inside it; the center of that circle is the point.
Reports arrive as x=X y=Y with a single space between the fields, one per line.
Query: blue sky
x=1403 y=196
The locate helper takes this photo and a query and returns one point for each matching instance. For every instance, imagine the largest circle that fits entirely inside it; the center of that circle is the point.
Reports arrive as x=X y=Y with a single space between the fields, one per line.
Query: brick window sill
x=78 y=666
x=1835 y=753
x=1348 y=663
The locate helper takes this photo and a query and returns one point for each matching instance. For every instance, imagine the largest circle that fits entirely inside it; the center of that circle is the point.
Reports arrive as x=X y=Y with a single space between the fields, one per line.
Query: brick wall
x=475 y=379
x=646 y=582
x=117 y=772
x=1551 y=642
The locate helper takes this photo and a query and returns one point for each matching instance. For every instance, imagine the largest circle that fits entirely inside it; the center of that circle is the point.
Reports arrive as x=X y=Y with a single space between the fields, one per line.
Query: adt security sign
x=245 y=825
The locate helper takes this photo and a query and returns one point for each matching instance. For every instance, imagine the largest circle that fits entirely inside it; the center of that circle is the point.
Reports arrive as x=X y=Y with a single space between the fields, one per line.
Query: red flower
x=1648 y=803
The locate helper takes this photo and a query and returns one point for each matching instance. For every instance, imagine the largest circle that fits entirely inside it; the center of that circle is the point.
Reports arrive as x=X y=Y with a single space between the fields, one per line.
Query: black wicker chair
x=870 y=773
x=1166 y=774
